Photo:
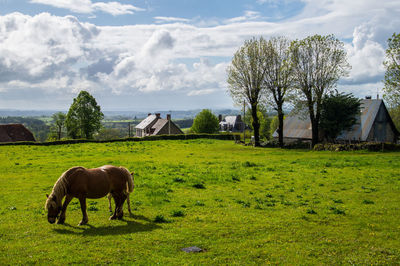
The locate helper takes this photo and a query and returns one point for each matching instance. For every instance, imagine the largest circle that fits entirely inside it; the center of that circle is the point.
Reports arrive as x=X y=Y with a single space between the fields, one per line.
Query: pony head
x=53 y=208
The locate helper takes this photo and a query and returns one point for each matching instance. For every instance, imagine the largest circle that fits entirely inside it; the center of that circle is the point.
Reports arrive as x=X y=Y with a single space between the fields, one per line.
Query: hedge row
x=292 y=145
x=370 y=146
x=147 y=138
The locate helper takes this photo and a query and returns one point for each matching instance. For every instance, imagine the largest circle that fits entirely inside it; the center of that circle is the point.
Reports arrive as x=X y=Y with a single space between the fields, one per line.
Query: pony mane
x=60 y=187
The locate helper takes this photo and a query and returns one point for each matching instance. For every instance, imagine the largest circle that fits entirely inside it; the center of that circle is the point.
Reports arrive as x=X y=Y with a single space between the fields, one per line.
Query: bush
x=178 y=213
x=205 y=122
x=160 y=219
x=199 y=186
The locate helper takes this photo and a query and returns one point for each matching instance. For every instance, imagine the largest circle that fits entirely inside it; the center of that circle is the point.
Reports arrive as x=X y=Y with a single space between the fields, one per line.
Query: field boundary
x=146 y=138
x=370 y=146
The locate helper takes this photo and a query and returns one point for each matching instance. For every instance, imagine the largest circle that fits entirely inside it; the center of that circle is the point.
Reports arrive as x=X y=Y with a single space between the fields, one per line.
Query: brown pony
x=83 y=183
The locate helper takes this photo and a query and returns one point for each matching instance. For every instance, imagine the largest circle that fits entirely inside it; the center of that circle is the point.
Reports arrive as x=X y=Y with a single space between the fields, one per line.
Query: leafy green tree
x=339 y=113
x=84 y=116
x=392 y=75
x=265 y=121
x=245 y=79
x=205 y=122
x=318 y=62
x=59 y=123
x=395 y=115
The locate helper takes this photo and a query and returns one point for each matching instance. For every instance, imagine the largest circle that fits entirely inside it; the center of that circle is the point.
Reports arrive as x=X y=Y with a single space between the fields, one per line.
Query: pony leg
x=129 y=204
x=109 y=196
x=120 y=211
x=119 y=201
x=116 y=201
x=85 y=218
x=67 y=200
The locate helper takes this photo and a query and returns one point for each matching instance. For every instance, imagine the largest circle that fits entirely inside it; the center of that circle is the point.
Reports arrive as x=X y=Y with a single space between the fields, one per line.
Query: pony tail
x=129 y=183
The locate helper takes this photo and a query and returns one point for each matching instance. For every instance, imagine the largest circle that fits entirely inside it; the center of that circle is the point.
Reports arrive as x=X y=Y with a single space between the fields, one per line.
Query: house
x=231 y=123
x=374 y=124
x=155 y=125
x=14 y=133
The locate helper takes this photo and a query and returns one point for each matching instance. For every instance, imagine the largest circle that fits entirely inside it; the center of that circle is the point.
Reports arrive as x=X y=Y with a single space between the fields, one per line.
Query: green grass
x=240 y=204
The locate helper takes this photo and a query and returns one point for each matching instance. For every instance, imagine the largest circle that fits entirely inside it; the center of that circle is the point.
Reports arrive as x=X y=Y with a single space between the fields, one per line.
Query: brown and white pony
x=83 y=183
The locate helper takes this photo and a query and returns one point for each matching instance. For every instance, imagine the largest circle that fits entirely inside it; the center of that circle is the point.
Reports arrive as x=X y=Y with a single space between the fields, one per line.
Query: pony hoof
x=61 y=221
x=82 y=223
x=113 y=217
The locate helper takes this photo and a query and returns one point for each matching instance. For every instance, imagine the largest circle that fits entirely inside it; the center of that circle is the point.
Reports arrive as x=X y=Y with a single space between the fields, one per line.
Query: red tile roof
x=15 y=132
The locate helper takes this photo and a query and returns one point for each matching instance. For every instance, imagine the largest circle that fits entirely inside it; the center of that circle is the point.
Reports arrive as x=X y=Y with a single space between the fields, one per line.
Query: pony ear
x=47 y=195
x=132 y=173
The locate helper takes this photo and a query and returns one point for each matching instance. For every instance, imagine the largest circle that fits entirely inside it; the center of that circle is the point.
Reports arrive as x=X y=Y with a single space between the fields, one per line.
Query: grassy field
x=240 y=204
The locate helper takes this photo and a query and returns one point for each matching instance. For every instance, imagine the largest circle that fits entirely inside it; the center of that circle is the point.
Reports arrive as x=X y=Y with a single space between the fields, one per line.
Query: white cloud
x=170 y=19
x=61 y=54
x=247 y=16
x=86 y=6
x=115 y=8
x=40 y=47
x=365 y=56
x=200 y=92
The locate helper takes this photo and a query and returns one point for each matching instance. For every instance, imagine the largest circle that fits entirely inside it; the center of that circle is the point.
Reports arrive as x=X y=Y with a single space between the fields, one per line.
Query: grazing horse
x=83 y=183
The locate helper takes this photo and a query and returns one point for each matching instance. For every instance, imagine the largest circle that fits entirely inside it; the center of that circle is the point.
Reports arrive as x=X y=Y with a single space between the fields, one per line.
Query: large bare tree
x=245 y=78
x=318 y=63
x=278 y=76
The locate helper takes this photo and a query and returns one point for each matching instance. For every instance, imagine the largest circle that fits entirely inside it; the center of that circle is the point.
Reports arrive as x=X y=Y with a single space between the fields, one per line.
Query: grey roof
x=146 y=122
x=298 y=126
x=159 y=125
x=231 y=119
x=361 y=130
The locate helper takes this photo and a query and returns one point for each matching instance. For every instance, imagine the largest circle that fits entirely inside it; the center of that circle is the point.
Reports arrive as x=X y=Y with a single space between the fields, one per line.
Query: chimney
x=158 y=115
x=168 y=116
x=220 y=118
x=149 y=114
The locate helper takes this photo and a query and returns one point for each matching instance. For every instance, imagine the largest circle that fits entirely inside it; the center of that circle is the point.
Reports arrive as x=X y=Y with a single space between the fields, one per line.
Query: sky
x=147 y=55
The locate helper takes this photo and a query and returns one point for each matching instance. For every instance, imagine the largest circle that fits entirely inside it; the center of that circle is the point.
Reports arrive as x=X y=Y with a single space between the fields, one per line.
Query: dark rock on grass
x=193 y=249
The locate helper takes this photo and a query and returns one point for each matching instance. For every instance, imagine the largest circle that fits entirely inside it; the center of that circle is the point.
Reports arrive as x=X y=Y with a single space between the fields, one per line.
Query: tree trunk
x=280 y=126
x=315 y=132
x=314 y=125
x=256 y=125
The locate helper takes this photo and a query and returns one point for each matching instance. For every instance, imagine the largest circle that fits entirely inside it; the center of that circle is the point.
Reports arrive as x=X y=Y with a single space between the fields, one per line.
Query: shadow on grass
x=128 y=228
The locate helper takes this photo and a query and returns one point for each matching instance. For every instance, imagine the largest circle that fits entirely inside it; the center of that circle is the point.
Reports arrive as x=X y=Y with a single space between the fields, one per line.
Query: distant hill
x=179 y=114
x=26 y=113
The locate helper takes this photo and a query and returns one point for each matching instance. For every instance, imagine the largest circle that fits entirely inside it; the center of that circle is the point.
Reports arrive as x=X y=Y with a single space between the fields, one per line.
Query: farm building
x=14 y=133
x=374 y=124
x=155 y=125
x=231 y=123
